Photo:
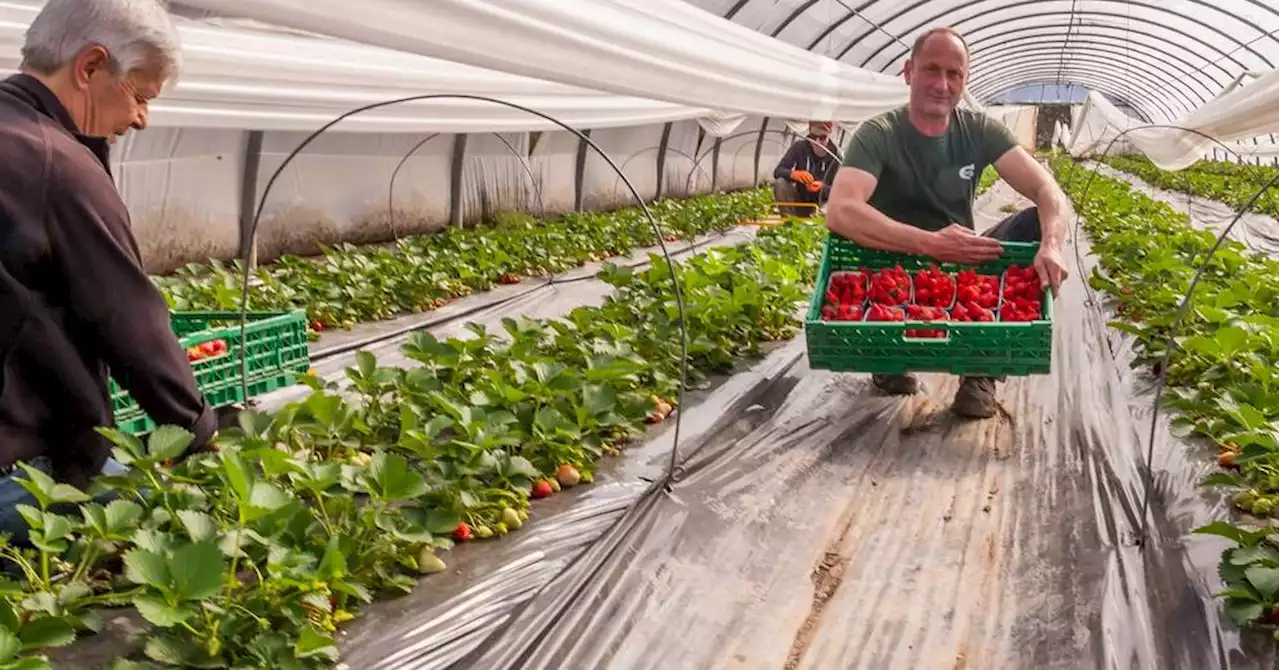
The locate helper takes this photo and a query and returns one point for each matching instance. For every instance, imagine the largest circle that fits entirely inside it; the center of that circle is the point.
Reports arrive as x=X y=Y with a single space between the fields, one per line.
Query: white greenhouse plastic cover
x=241 y=78
x=1244 y=112
x=666 y=50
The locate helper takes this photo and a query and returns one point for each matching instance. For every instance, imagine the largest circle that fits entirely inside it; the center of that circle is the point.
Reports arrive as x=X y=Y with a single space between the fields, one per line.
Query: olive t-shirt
x=927 y=182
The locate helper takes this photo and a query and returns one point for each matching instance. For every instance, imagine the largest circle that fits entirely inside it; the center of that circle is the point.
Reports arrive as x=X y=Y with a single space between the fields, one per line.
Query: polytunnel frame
x=1084 y=61
x=944 y=17
x=1176 y=83
x=1040 y=72
x=671 y=473
x=1095 y=55
x=1170 y=340
x=987 y=45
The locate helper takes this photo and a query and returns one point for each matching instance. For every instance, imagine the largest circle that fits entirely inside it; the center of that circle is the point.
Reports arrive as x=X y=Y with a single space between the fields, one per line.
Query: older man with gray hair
x=76 y=305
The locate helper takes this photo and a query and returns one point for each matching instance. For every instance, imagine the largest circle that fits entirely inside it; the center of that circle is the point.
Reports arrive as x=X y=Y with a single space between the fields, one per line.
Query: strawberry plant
x=347 y=284
x=1222 y=377
x=1230 y=183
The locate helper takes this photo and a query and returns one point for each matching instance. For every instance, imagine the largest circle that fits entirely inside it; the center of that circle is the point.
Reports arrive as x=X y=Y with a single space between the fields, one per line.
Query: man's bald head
x=937 y=72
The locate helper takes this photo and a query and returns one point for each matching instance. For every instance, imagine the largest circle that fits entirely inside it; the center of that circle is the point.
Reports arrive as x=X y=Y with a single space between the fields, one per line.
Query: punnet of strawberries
x=929 y=294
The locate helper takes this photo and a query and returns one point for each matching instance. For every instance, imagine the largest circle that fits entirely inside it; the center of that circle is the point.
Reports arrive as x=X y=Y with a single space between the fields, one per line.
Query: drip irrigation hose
x=657 y=228
x=1169 y=342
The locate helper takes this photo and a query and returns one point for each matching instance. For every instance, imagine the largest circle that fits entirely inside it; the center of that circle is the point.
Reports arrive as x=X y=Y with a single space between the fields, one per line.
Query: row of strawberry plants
x=1222 y=377
x=350 y=284
x=1233 y=184
x=252 y=554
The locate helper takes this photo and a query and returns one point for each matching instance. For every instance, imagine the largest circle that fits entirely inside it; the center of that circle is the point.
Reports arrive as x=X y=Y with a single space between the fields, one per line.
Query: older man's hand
x=1050 y=266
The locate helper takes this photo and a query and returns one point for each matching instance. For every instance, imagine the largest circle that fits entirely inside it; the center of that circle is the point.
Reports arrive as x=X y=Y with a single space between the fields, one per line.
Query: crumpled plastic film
x=819 y=525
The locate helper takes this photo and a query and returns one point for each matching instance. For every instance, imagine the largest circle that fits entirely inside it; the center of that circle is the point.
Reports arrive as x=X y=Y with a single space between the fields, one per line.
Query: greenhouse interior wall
x=185 y=187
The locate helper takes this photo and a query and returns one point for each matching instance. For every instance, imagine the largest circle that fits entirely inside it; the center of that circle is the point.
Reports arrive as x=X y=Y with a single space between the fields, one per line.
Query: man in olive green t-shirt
x=910 y=176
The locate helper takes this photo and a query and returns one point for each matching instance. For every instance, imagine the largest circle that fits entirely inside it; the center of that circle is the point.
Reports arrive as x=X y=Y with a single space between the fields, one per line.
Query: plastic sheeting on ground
x=818 y=525
x=659 y=49
x=1238 y=113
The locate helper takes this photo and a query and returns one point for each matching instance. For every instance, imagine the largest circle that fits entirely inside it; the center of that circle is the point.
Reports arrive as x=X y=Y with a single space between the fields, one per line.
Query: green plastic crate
x=969 y=348
x=276 y=343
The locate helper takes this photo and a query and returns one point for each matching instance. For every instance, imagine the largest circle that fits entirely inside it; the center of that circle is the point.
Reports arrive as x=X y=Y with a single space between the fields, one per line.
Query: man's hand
x=958 y=244
x=815 y=186
x=802 y=177
x=1050 y=266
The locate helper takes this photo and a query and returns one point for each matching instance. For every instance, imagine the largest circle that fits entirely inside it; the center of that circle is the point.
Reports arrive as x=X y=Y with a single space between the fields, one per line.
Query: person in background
x=910 y=176
x=805 y=172
x=77 y=305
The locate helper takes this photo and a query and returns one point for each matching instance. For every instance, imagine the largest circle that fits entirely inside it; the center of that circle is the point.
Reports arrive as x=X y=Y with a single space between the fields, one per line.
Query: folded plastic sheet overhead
x=664 y=50
x=1238 y=113
x=244 y=77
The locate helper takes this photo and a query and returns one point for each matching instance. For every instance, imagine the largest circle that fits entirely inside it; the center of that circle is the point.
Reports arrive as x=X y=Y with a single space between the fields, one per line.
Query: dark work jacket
x=801 y=157
x=76 y=305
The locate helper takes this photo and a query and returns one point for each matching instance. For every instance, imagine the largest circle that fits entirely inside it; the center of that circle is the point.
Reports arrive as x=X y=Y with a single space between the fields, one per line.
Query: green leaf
x=9 y=644
x=46 y=632
x=1243 y=612
x=125 y=664
x=237 y=475
x=153 y=608
x=29 y=663
x=441 y=522
x=268 y=496
x=367 y=363
x=197 y=570
x=200 y=526
x=38 y=484
x=598 y=398
x=394 y=479
x=121 y=515
x=1222 y=529
x=1265 y=579
x=313 y=644
x=8 y=617
x=146 y=567
x=1231 y=340
x=168 y=442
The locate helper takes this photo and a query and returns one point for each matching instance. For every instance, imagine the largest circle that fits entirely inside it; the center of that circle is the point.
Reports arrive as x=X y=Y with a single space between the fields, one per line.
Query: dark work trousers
x=1023 y=226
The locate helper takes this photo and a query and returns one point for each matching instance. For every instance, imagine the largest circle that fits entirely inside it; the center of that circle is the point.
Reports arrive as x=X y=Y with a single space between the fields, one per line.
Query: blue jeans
x=13 y=494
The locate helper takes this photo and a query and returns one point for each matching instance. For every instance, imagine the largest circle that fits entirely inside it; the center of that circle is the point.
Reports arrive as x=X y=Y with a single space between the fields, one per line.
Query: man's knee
x=1023 y=226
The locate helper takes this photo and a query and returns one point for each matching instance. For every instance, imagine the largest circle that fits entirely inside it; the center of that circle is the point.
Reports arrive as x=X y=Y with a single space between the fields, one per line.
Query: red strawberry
x=542 y=489
x=463 y=532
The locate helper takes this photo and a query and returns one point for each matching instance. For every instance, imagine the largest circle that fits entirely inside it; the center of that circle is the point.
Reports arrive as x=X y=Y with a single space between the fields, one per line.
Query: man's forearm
x=1051 y=205
x=864 y=224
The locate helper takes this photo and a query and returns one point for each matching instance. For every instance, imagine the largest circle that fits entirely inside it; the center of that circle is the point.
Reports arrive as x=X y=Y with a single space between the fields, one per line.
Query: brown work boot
x=976 y=398
x=896 y=384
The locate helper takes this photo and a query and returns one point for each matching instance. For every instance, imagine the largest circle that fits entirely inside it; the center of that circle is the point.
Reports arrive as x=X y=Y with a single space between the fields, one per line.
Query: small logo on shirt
x=966 y=172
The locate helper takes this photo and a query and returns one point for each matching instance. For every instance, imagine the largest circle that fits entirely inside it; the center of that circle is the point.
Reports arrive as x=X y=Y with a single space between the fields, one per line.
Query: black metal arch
x=1152 y=102
x=1100 y=57
x=1013 y=77
x=831 y=27
x=1116 y=87
x=1057 y=31
x=1116 y=96
x=856 y=12
x=958 y=23
x=1165 y=62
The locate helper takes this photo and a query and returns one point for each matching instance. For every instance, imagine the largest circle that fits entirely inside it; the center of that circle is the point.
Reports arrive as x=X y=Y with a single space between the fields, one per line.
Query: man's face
x=114 y=104
x=937 y=74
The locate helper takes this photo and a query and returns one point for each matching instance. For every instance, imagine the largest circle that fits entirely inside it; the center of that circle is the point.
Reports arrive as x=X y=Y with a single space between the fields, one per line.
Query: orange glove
x=815 y=186
x=802 y=177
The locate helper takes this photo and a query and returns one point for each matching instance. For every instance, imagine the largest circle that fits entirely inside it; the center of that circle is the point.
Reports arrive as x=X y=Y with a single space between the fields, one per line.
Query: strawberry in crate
x=926 y=313
x=890 y=286
x=934 y=288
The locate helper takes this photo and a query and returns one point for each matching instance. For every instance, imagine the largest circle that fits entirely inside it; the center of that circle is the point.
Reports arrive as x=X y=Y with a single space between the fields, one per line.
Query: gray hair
x=135 y=33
